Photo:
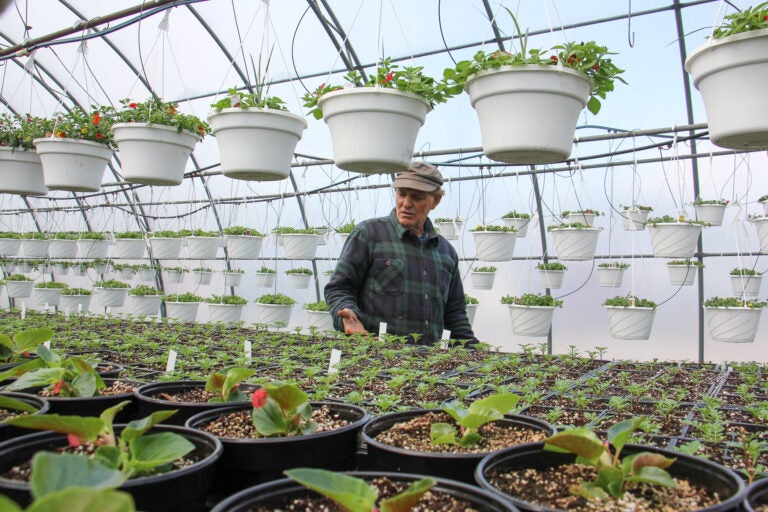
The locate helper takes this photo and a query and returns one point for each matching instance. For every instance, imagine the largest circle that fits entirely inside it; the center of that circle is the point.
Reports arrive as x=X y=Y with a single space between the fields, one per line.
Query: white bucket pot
x=630 y=323
x=321 y=320
x=93 y=249
x=232 y=278
x=182 y=311
x=50 y=296
x=731 y=73
x=482 y=280
x=520 y=224
x=129 y=248
x=300 y=246
x=79 y=269
x=761 y=224
x=146 y=274
x=494 y=245
x=243 y=247
x=748 y=286
x=765 y=207
x=588 y=219
x=734 y=325
x=548 y=98
x=202 y=278
x=530 y=320
x=674 y=240
x=73 y=165
x=60 y=269
x=450 y=230
x=146 y=305
x=165 y=248
x=126 y=274
x=610 y=277
x=471 y=312
x=172 y=276
x=712 y=214
x=272 y=314
x=575 y=244
x=34 y=249
x=373 y=130
x=62 y=248
x=111 y=297
x=225 y=313
x=19 y=289
x=21 y=172
x=265 y=279
x=634 y=219
x=256 y=144
x=73 y=304
x=202 y=247
x=153 y=154
x=682 y=275
x=9 y=247
x=551 y=278
x=300 y=281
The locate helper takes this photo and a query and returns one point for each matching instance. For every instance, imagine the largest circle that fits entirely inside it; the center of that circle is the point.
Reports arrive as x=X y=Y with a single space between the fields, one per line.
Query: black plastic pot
x=701 y=471
x=454 y=466
x=179 y=490
x=149 y=401
x=274 y=495
x=756 y=495
x=247 y=462
x=41 y=404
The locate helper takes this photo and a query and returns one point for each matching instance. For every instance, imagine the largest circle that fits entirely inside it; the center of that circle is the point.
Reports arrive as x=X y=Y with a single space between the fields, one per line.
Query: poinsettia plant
x=282 y=409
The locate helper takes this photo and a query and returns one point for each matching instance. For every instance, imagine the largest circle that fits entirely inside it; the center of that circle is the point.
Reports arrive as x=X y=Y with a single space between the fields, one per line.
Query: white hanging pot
x=165 y=248
x=272 y=314
x=256 y=144
x=9 y=247
x=232 y=278
x=50 y=296
x=62 y=248
x=518 y=223
x=761 y=224
x=130 y=248
x=78 y=269
x=146 y=274
x=471 y=312
x=449 y=230
x=182 y=311
x=528 y=114
x=674 y=240
x=482 y=280
x=731 y=73
x=144 y=305
x=34 y=248
x=682 y=275
x=494 y=245
x=126 y=273
x=634 y=219
x=265 y=279
x=300 y=281
x=93 y=249
x=575 y=244
x=153 y=154
x=111 y=297
x=587 y=219
x=373 y=130
x=172 y=276
x=74 y=304
x=610 y=277
x=202 y=247
x=19 y=289
x=21 y=172
x=300 y=246
x=225 y=313
x=530 y=320
x=711 y=214
x=321 y=320
x=733 y=325
x=243 y=247
x=551 y=278
x=71 y=164
x=202 y=278
x=630 y=323
x=748 y=286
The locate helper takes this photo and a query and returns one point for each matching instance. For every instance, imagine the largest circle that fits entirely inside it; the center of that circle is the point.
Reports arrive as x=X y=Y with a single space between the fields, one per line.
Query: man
x=398 y=270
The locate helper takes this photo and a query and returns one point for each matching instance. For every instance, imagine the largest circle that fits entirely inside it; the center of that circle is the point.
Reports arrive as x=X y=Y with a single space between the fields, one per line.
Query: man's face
x=413 y=206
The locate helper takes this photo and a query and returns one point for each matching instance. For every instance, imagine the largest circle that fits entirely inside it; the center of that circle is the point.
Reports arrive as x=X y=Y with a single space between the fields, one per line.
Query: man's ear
x=437 y=198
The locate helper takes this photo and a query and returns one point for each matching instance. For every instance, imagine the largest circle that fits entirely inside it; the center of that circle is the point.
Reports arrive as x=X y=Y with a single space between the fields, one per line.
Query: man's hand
x=352 y=324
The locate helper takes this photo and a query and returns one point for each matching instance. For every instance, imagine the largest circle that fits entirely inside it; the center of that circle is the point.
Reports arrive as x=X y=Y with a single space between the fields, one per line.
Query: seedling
x=470 y=419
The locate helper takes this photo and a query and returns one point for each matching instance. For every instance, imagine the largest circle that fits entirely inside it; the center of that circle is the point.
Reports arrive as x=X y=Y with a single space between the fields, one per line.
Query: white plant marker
x=333 y=365
x=171 y=364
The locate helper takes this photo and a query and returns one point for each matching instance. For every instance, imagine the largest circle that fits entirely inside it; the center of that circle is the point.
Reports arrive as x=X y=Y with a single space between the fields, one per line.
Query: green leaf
x=136 y=428
x=269 y=419
x=619 y=433
x=350 y=492
x=234 y=377
x=53 y=472
x=634 y=463
x=287 y=396
x=21 y=369
x=610 y=479
x=492 y=405
x=29 y=340
x=8 y=505
x=39 y=377
x=6 y=342
x=109 y=456
x=153 y=450
x=107 y=416
x=580 y=441
x=442 y=433
x=407 y=499
x=7 y=402
x=85 y=384
x=85 y=428
x=215 y=381
x=469 y=439
x=82 y=499
x=653 y=475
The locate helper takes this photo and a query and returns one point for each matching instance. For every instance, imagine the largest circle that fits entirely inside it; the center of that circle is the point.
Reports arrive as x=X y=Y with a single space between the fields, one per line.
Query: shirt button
x=426 y=296
x=424 y=272
x=389 y=262
x=426 y=322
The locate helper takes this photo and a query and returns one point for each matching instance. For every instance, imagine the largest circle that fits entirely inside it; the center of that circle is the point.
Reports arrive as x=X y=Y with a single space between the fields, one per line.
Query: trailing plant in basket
x=232 y=300
x=551 y=265
x=19 y=131
x=93 y=126
x=143 y=290
x=354 y=494
x=490 y=269
x=588 y=211
x=629 y=301
x=490 y=227
x=245 y=100
x=156 y=111
x=686 y=263
x=613 y=264
x=532 y=299
x=317 y=306
x=470 y=300
x=666 y=219
x=227 y=385
x=516 y=215
x=734 y=302
x=470 y=419
x=614 y=473
x=240 y=231
x=299 y=271
x=746 y=20
x=275 y=298
x=744 y=272
x=183 y=297
x=282 y=409
x=699 y=201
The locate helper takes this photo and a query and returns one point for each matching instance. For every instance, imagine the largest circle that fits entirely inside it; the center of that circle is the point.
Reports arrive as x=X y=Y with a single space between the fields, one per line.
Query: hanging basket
x=202 y=247
x=153 y=154
x=202 y=278
x=494 y=245
x=146 y=274
x=450 y=230
x=256 y=144
x=19 y=289
x=111 y=297
x=549 y=99
x=74 y=304
x=49 y=296
x=471 y=312
x=530 y=320
x=551 y=278
x=300 y=281
x=93 y=249
x=733 y=325
x=630 y=323
x=575 y=244
x=265 y=279
x=682 y=275
x=274 y=314
x=610 y=277
x=225 y=313
x=373 y=130
x=634 y=219
x=146 y=305
x=130 y=248
x=243 y=247
x=181 y=311
x=165 y=248
x=33 y=248
x=172 y=276
x=482 y=280
x=9 y=247
x=674 y=239
x=232 y=279
x=21 y=172
x=320 y=320
x=731 y=73
x=517 y=223
x=300 y=246
x=711 y=214
x=747 y=286
x=761 y=224
x=71 y=164
x=62 y=248
x=588 y=219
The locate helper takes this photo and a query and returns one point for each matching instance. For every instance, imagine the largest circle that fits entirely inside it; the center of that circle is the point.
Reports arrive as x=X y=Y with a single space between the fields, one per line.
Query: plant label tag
x=382 y=329
x=333 y=365
x=248 y=348
x=171 y=364
x=47 y=344
x=443 y=339
x=23 y=310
